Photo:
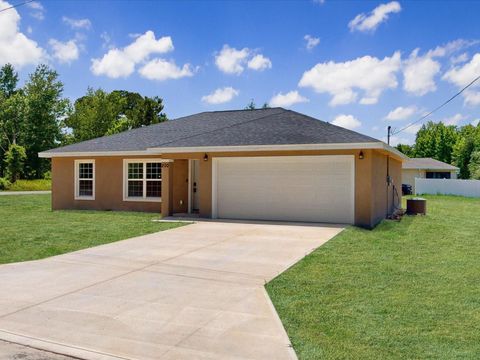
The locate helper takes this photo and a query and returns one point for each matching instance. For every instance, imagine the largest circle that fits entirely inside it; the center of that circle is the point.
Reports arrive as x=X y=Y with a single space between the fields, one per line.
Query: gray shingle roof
x=274 y=126
x=427 y=164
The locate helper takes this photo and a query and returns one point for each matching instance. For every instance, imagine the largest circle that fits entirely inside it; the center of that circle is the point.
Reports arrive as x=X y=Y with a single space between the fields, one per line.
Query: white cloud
x=220 y=96
x=369 y=22
x=231 y=60
x=459 y=58
x=121 y=62
x=395 y=140
x=401 y=113
x=321 y=2
x=288 y=99
x=412 y=128
x=347 y=121
x=160 y=69
x=454 y=120
x=64 y=52
x=462 y=76
x=341 y=80
x=77 y=23
x=419 y=73
x=259 y=63
x=15 y=47
x=37 y=10
x=311 y=41
x=475 y=122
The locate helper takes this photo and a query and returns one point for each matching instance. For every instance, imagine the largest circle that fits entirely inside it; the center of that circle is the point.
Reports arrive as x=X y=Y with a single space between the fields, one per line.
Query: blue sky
x=359 y=64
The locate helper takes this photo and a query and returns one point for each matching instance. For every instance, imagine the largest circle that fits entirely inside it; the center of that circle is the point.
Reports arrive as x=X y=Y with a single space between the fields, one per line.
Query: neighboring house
x=426 y=168
x=266 y=164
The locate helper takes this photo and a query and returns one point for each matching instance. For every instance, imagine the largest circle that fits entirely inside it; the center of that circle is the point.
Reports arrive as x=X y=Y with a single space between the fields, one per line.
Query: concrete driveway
x=195 y=292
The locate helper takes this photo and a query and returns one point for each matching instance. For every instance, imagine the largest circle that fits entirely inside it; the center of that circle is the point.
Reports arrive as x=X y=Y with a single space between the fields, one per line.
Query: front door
x=195 y=171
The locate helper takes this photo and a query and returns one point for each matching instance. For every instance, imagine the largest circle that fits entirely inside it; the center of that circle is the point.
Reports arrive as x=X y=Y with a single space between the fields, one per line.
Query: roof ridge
x=238 y=110
x=220 y=128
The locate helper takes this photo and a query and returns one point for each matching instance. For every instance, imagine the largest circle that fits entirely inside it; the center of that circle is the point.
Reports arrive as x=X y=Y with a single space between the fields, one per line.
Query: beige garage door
x=286 y=188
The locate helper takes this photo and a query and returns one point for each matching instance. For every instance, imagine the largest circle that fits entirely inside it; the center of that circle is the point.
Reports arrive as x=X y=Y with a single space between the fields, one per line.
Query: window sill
x=141 y=199
x=84 y=197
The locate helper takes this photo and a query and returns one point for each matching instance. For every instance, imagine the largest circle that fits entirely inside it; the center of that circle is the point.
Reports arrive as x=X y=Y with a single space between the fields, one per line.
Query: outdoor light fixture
x=205 y=157
x=360 y=155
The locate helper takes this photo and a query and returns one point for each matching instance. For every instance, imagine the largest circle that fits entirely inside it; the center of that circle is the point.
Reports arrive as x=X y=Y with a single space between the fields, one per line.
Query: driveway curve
x=194 y=292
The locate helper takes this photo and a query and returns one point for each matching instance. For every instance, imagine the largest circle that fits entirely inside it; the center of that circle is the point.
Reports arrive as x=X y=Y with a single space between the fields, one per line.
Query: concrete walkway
x=24 y=192
x=195 y=292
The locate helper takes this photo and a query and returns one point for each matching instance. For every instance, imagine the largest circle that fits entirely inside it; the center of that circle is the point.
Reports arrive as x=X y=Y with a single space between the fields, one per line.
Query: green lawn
x=408 y=290
x=30 y=230
x=30 y=185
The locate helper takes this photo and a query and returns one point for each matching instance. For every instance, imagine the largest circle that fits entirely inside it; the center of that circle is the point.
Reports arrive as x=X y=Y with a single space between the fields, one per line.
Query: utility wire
x=438 y=107
x=17 y=5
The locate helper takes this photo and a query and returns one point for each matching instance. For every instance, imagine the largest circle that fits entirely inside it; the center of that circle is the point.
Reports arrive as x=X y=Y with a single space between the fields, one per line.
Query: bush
x=47 y=175
x=14 y=160
x=4 y=184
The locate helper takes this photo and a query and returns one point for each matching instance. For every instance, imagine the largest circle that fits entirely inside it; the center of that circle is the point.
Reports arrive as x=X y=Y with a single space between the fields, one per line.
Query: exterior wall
x=370 y=183
x=108 y=186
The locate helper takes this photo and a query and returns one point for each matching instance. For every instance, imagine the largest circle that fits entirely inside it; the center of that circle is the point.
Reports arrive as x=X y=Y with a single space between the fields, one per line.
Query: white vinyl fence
x=469 y=188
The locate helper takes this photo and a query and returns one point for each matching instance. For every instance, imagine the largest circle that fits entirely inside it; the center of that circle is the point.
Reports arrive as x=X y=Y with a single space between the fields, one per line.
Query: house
x=426 y=168
x=266 y=164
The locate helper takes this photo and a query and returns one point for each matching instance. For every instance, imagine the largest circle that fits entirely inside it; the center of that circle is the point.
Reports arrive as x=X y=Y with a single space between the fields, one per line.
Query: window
x=143 y=180
x=84 y=179
x=438 y=175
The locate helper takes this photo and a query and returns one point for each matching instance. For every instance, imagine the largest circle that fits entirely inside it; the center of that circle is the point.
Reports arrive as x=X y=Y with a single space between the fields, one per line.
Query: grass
x=30 y=185
x=407 y=290
x=29 y=230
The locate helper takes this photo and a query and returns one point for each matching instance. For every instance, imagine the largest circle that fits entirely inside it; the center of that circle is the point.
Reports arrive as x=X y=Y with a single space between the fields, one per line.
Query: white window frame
x=77 y=179
x=144 y=198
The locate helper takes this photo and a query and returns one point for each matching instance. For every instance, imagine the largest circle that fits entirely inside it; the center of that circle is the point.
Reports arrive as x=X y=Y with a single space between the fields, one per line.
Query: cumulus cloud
x=233 y=61
x=160 y=69
x=347 y=121
x=37 y=10
x=369 y=22
x=220 y=96
x=15 y=47
x=121 y=62
x=461 y=76
x=419 y=73
x=342 y=80
x=311 y=41
x=401 y=113
x=259 y=63
x=288 y=99
x=77 y=23
x=454 y=120
x=64 y=52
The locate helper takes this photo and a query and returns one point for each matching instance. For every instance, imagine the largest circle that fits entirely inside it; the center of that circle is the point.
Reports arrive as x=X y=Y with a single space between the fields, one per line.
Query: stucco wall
x=108 y=186
x=370 y=183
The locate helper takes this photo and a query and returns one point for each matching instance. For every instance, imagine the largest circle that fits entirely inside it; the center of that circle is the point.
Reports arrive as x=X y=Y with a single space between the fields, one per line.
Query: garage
x=284 y=188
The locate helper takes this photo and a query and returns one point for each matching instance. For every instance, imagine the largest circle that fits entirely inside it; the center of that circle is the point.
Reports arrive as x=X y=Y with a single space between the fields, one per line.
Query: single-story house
x=265 y=164
x=426 y=168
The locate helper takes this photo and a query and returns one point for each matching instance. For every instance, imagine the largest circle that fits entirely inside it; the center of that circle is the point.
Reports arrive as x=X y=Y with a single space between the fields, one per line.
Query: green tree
x=436 y=140
x=14 y=160
x=45 y=108
x=251 y=105
x=100 y=113
x=8 y=80
x=474 y=165
x=463 y=149
x=406 y=149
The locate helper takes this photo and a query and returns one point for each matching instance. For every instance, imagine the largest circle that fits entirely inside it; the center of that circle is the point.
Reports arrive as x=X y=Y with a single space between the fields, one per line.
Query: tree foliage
x=458 y=146
x=100 y=113
x=15 y=160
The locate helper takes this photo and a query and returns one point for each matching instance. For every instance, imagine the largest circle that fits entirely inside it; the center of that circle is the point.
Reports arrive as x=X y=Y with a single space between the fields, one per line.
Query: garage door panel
x=304 y=188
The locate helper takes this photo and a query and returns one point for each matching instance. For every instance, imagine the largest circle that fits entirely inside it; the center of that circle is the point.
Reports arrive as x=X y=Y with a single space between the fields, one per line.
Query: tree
x=406 y=149
x=44 y=111
x=250 y=106
x=8 y=80
x=100 y=113
x=474 y=165
x=14 y=159
x=435 y=140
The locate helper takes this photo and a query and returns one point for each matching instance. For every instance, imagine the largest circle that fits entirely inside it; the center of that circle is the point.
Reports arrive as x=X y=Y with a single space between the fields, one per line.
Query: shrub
x=47 y=175
x=14 y=160
x=4 y=184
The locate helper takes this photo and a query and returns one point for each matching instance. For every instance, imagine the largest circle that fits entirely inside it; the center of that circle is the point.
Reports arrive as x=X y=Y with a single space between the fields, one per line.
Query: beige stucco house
x=426 y=168
x=266 y=164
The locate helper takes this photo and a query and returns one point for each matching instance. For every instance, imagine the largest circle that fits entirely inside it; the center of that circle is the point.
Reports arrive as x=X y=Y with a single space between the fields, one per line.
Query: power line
x=17 y=5
x=438 y=107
